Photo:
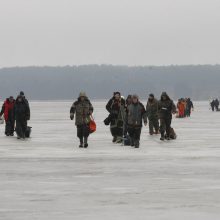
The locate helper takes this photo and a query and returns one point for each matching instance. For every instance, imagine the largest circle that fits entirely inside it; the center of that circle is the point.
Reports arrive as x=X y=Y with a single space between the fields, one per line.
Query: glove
x=71 y=116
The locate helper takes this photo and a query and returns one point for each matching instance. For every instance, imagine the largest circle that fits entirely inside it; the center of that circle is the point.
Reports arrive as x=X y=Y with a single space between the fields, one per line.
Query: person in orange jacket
x=181 y=108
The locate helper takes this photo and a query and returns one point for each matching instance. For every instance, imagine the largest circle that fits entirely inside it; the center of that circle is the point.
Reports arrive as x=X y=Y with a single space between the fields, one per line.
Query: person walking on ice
x=135 y=115
x=21 y=114
x=152 y=114
x=166 y=109
x=82 y=109
x=8 y=112
x=116 y=109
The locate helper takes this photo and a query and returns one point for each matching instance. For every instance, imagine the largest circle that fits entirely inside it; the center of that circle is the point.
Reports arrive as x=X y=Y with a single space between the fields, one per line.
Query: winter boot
x=132 y=142
x=86 y=142
x=114 y=139
x=81 y=143
x=136 y=144
x=162 y=137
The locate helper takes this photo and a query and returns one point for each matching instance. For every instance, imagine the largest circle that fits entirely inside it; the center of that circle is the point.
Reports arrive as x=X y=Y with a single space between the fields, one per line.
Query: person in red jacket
x=8 y=112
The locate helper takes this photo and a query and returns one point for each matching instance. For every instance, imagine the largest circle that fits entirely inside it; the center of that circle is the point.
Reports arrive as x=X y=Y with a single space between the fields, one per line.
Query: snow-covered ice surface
x=49 y=177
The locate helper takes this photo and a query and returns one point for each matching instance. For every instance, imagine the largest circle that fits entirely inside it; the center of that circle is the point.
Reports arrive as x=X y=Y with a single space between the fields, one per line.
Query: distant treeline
x=99 y=81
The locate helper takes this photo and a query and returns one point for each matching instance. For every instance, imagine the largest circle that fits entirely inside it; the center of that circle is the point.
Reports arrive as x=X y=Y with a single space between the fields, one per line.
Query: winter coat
x=117 y=110
x=166 y=108
x=21 y=111
x=181 y=108
x=152 y=109
x=136 y=114
x=114 y=106
x=82 y=110
x=8 y=110
x=189 y=105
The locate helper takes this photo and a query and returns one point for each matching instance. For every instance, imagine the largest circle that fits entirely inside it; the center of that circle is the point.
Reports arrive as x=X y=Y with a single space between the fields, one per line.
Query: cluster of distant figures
x=126 y=117
x=215 y=105
x=185 y=107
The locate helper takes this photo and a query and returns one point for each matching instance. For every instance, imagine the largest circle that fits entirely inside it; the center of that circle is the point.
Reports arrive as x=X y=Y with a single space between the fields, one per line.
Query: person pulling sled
x=166 y=109
x=22 y=115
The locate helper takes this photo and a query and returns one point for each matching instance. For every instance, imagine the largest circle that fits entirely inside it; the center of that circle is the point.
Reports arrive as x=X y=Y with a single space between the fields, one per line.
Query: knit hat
x=129 y=97
x=82 y=94
x=135 y=96
x=164 y=94
x=117 y=93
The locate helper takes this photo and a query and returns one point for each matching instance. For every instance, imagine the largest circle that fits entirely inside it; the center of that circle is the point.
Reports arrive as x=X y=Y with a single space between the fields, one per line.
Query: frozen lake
x=49 y=178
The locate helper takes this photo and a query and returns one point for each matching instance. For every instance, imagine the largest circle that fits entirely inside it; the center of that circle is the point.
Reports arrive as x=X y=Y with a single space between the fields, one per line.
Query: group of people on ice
x=215 y=105
x=126 y=118
x=184 y=107
x=16 y=114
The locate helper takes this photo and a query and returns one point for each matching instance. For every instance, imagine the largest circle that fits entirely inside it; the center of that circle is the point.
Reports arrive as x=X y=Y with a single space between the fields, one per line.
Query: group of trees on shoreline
x=58 y=83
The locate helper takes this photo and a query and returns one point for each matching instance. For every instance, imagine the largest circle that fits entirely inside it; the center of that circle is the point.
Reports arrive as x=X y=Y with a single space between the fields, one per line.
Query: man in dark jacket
x=116 y=108
x=8 y=111
x=152 y=114
x=212 y=103
x=166 y=108
x=27 y=103
x=216 y=104
x=128 y=102
x=135 y=115
x=83 y=110
x=23 y=96
x=189 y=107
x=22 y=114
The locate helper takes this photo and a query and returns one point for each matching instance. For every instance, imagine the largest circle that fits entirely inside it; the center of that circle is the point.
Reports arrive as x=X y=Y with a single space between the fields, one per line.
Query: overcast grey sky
x=131 y=32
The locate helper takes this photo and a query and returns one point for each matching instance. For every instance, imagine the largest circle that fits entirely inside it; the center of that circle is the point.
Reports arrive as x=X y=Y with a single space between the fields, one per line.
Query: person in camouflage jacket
x=82 y=110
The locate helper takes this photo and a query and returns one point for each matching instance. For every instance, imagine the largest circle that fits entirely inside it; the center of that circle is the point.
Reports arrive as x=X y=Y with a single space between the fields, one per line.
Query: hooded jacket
x=8 y=110
x=21 y=110
x=166 y=107
x=82 y=110
x=152 y=109
x=136 y=114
